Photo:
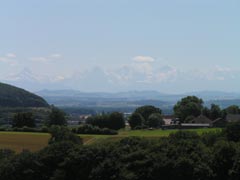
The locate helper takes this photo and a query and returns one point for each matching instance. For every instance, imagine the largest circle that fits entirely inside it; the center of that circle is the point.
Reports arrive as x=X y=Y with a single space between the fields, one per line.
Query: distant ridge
x=137 y=95
x=11 y=96
x=75 y=98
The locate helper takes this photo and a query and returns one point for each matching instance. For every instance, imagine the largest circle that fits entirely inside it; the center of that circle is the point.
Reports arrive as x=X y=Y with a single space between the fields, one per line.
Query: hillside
x=11 y=96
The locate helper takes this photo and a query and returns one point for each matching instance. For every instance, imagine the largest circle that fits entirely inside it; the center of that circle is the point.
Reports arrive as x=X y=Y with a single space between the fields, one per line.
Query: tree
x=233 y=109
x=23 y=119
x=116 y=121
x=223 y=159
x=233 y=131
x=146 y=111
x=206 y=112
x=215 y=112
x=188 y=106
x=57 y=117
x=60 y=134
x=135 y=120
x=22 y=166
x=155 y=120
x=101 y=121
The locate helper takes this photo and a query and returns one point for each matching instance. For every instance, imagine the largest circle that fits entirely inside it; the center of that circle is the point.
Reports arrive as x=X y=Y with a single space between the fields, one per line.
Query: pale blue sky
x=157 y=44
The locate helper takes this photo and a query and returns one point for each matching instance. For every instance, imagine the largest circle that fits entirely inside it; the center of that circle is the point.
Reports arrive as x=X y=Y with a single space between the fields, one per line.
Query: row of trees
x=191 y=106
x=56 y=117
x=143 y=117
x=182 y=155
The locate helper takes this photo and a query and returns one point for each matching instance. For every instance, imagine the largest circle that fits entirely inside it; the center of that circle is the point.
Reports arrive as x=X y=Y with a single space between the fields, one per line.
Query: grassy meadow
x=19 y=141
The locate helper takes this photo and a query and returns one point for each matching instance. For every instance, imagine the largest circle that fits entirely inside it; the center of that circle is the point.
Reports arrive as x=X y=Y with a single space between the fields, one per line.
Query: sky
x=104 y=45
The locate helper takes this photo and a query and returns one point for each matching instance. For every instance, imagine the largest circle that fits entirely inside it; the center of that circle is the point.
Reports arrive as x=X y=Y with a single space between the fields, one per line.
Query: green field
x=89 y=139
x=19 y=141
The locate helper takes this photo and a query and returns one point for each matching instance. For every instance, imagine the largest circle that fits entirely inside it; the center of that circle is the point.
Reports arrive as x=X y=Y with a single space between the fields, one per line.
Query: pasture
x=19 y=141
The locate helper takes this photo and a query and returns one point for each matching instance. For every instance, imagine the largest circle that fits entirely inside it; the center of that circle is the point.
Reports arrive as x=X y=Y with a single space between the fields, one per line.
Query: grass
x=19 y=141
x=140 y=133
x=161 y=133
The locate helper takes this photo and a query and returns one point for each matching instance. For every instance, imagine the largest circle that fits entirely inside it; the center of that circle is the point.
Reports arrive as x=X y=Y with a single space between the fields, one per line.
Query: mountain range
x=133 y=98
x=124 y=79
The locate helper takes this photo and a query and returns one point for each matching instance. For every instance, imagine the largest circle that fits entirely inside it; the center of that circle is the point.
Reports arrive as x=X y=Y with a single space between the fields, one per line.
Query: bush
x=29 y=129
x=114 y=121
x=233 y=131
x=89 y=129
x=210 y=138
x=61 y=134
x=5 y=153
x=184 y=135
x=141 y=127
x=44 y=129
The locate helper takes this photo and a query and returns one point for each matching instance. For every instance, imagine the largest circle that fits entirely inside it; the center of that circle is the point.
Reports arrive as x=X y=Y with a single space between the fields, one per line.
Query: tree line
x=143 y=117
x=191 y=106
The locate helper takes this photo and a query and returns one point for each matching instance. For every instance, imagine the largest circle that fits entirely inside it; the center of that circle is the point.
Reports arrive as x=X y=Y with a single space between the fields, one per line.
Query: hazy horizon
x=114 y=46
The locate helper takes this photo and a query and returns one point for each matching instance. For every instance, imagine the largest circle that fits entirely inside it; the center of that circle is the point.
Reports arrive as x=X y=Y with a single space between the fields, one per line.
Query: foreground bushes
x=184 y=155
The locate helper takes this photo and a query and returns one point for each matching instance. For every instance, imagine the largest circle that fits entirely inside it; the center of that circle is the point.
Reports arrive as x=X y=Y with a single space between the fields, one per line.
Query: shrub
x=210 y=138
x=114 y=121
x=233 y=131
x=61 y=134
x=29 y=129
x=141 y=127
x=44 y=129
x=89 y=129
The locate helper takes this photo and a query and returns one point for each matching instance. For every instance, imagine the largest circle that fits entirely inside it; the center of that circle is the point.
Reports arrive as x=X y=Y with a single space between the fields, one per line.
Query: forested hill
x=11 y=96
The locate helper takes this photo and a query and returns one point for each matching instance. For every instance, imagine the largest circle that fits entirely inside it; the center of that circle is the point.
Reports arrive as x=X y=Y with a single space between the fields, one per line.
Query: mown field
x=19 y=141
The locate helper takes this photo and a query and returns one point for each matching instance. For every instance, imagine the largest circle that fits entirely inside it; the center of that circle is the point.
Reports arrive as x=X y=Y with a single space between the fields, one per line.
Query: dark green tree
x=116 y=121
x=215 y=112
x=23 y=119
x=206 y=112
x=233 y=131
x=155 y=120
x=224 y=153
x=188 y=106
x=135 y=120
x=233 y=109
x=101 y=121
x=61 y=133
x=23 y=166
x=146 y=111
x=57 y=117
